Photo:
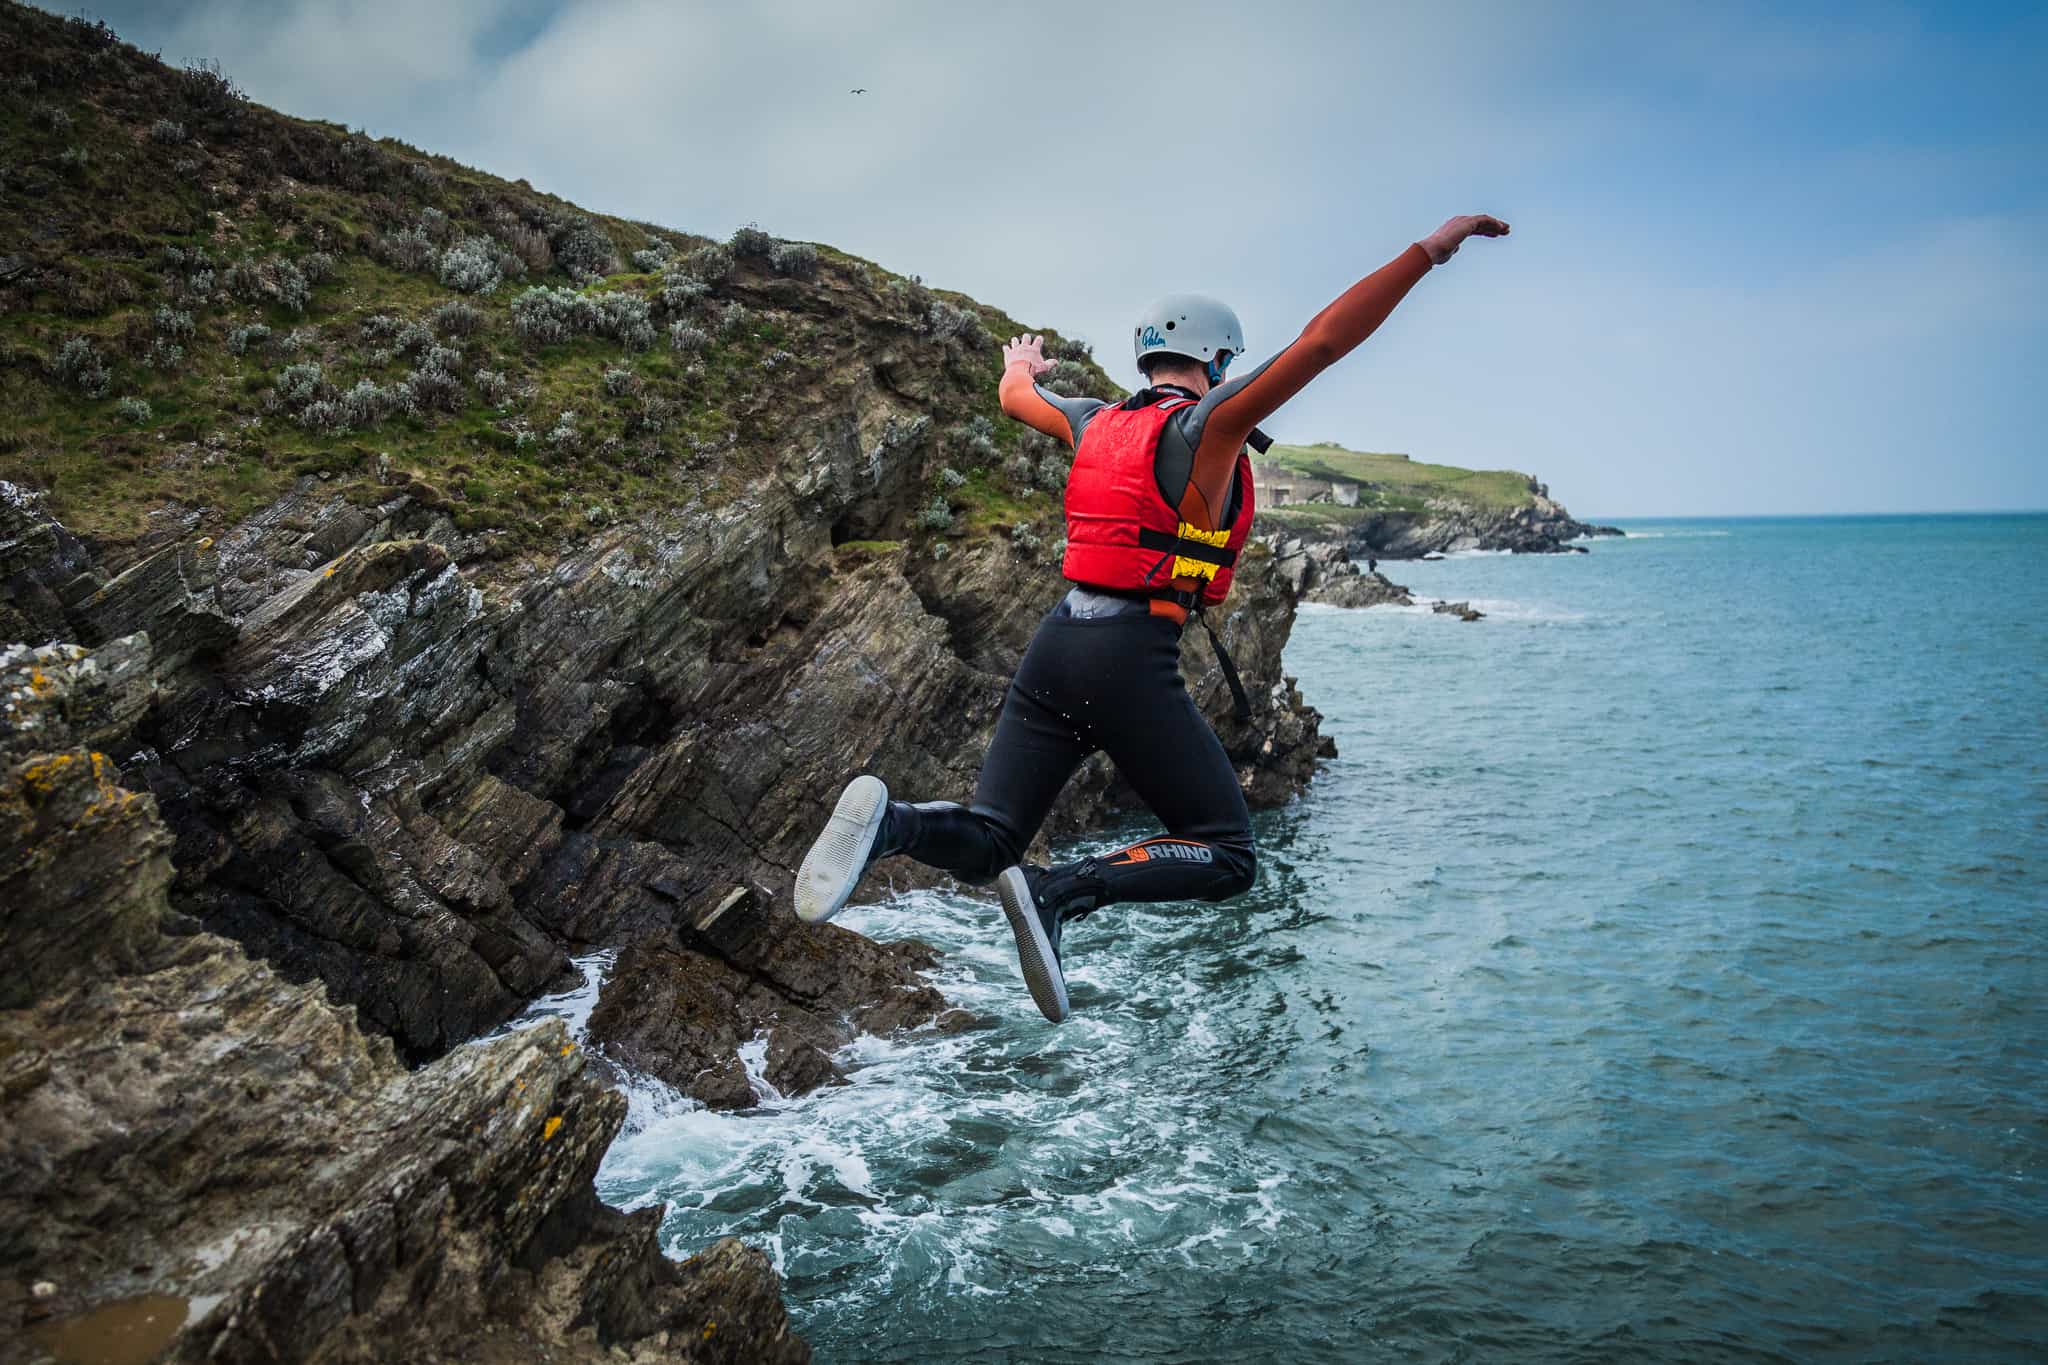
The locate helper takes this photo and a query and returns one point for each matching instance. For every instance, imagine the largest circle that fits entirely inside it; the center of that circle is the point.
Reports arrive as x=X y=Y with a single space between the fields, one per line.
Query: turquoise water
x=1658 y=973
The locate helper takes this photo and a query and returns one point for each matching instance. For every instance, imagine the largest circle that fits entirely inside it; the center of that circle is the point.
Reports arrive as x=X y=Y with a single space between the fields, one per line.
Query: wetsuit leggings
x=1111 y=683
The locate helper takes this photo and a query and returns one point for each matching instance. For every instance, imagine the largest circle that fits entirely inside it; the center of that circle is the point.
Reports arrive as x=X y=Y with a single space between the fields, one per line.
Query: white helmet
x=1191 y=325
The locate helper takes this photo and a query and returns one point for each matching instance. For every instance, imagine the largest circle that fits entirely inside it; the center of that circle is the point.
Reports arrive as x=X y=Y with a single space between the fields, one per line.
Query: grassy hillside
x=202 y=300
x=1397 y=483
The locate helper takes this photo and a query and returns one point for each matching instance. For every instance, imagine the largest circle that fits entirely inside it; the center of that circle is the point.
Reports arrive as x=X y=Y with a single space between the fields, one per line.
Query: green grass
x=1397 y=482
x=263 y=184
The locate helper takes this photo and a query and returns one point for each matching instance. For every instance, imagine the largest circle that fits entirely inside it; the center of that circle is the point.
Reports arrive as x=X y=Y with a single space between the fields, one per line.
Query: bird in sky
x=862 y=91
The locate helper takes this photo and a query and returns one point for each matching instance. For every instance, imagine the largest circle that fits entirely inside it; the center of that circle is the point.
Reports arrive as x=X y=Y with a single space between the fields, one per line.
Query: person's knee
x=1238 y=866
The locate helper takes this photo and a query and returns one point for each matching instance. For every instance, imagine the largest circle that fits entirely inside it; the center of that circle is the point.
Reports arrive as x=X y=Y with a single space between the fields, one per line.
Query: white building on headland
x=1279 y=486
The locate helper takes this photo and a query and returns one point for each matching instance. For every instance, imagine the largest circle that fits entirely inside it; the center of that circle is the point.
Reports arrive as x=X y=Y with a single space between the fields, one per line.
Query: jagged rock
x=1323 y=571
x=170 y=595
x=281 y=1186
x=737 y=970
x=1539 y=526
x=1359 y=589
x=1464 y=611
x=43 y=568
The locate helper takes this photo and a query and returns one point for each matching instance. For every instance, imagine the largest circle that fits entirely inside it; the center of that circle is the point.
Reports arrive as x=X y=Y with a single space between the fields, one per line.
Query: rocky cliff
x=385 y=627
x=1402 y=508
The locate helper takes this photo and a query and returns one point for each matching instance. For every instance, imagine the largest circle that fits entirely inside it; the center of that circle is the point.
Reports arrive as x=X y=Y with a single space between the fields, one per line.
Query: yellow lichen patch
x=709 y=1328
x=552 y=1127
x=567 y=1048
x=39 y=681
x=41 y=777
x=206 y=542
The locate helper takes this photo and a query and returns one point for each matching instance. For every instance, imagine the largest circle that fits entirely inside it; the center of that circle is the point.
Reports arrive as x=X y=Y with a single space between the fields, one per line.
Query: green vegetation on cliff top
x=1396 y=483
x=203 y=301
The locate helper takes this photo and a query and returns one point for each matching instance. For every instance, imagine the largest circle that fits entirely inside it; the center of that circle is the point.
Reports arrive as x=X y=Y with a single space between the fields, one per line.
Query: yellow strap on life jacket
x=1184 y=567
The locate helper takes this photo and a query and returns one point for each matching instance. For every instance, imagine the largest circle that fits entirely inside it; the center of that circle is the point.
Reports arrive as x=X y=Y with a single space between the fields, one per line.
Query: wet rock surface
x=196 y=1145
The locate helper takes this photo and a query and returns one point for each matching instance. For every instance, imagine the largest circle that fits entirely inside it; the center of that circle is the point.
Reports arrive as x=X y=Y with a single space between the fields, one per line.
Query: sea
x=1658 y=972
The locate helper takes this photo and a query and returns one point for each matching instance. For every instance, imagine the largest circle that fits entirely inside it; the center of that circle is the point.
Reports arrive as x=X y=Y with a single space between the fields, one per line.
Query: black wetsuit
x=1108 y=679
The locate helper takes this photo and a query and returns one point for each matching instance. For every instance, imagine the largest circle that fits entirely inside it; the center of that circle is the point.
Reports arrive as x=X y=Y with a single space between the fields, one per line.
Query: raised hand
x=1030 y=350
x=1445 y=241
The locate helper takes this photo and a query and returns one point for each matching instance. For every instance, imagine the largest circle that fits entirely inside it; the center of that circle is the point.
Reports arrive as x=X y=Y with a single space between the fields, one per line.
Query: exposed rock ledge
x=201 y=1157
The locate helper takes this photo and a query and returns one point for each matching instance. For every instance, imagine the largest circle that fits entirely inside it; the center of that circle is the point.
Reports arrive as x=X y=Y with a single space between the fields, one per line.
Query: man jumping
x=1158 y=507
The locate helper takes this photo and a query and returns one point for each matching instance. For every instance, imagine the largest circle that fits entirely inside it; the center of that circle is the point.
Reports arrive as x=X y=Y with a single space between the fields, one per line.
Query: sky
x=1767 y=259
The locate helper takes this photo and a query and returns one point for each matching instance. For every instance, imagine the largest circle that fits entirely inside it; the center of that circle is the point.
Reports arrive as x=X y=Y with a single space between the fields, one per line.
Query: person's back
x=1159 y=504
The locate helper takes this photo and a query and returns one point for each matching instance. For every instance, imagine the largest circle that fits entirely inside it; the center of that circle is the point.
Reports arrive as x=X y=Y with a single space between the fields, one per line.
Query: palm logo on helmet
x=1193 y=326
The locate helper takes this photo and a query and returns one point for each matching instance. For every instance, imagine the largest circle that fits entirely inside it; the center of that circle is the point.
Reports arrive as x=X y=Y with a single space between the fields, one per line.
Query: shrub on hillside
x=471 y=266
x=294 y=290
x=948 y=323
x=935 y=515
x=547 y=315
x=367 y=404
x=167 y=132
x=298 y=385
x=563 y=437
x=654 y=256
x=242 y=338
x=710 y=263
x=317 y=266
x=624 y=318
x=1052 y=473
x=164 y=354
x=1069 y=378
x=798 y=260
x=79 y=364
x=433 y=387
x=1065 y=349
x=323 y=415
x=410 y=249
x=75 y=160
x=679 y=293
x=976 y=438
x=950 y=477
x=525 y=241
x=174 y=323
x=582 y=249
x=208 y=92
x=620 y=382
x=50 y=118
x=493 y=387
x=134 y=410
x=685 y=339
x=733 y=320
x=458 y=319
x=751 y=241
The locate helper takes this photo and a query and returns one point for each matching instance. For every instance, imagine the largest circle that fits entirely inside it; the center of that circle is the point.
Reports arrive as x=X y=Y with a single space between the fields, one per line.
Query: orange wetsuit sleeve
x=1218 y=426
x=1056 y=415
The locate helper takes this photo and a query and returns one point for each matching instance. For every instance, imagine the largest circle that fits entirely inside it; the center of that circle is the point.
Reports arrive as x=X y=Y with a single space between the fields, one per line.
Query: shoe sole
x=832 y=869
x=1042 y=974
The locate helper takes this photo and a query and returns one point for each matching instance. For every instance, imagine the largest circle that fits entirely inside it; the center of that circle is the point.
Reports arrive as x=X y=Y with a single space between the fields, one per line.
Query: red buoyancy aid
x=1121 y=534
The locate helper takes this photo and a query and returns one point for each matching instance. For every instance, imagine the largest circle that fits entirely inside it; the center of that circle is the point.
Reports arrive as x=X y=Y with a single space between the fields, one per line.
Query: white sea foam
x=572 y=1006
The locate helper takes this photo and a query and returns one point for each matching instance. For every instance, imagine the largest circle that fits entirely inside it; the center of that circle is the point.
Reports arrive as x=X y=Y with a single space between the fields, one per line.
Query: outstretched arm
x=1056 y=415
x=1217 y=428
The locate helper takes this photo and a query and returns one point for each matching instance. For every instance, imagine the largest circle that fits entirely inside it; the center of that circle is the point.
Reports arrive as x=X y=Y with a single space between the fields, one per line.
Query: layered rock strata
x=202 y=1160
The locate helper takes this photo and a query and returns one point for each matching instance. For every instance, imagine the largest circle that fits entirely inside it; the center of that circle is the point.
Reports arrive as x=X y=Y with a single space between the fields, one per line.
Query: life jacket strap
x=1197 y=553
